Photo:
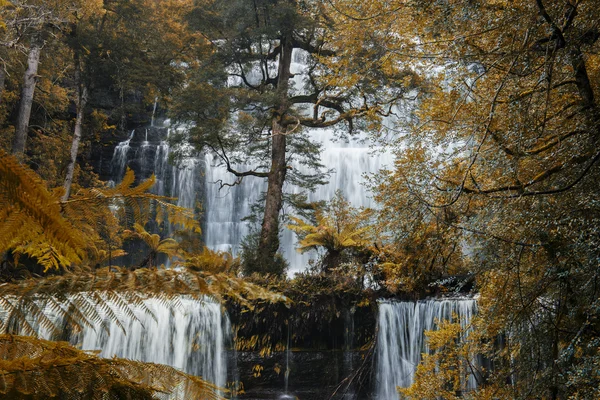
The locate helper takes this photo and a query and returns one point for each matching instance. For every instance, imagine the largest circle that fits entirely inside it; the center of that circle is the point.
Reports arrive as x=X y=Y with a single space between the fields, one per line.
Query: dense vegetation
x=489 y=106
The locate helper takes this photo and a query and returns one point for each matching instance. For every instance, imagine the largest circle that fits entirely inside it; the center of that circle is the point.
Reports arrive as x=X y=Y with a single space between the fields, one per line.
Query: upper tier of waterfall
x=199 y=178
x=194 y=179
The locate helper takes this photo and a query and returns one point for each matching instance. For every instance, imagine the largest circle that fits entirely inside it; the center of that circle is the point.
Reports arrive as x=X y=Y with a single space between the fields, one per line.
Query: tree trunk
x=29 y=81
x=269 y=235
x=2 y=82
x=82 y=96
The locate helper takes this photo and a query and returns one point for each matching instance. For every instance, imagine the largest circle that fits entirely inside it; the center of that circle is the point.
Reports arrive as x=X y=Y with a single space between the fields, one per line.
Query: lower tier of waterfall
x=195 y=336
x=191 y=335
x=401 y=339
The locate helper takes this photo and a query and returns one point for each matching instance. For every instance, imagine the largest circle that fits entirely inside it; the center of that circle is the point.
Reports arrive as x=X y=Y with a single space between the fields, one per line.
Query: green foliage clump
x=256 y=261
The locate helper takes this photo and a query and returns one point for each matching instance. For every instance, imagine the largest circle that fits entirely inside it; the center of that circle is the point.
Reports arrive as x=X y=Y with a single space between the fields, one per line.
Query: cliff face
x=330 y=337
x=102 y=152
x=313 y=375
x=147 y=151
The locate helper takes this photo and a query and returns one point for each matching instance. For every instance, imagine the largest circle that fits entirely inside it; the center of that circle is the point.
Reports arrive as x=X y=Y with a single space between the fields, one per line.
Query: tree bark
x=82 y=97
x=29 y=81
x=269 y=236
x=2 y=82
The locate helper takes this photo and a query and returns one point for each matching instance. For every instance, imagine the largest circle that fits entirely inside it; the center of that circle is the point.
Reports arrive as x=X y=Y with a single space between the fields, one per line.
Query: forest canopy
x=489 y=107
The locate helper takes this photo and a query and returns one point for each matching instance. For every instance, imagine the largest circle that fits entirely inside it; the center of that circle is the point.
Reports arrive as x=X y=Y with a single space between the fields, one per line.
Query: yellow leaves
x=57 y=234
x=41 y=369
x=210 y=261
x=338 y=228
x=83 y=293
x=166 y=246
x=444 y=372
x=29 y=213
x=257 y=370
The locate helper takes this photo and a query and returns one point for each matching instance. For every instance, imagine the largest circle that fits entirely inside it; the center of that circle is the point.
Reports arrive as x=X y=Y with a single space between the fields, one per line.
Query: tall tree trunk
x=269 y=235
x=82 y=96
x=29 y=80
x=2 y=81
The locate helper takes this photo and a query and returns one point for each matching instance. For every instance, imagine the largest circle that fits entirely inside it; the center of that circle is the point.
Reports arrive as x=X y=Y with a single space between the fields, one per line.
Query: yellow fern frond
x=210 y=261
x=30 y=213
x=39 y=369
x=34 y=222
x=114 y=291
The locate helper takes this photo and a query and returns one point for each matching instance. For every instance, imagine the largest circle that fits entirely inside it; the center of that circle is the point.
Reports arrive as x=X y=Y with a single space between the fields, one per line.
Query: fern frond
x=30 y=213
x=341 y=227
x=33 y=368
x=93 y=296
x=209 y=260
x=34 y=222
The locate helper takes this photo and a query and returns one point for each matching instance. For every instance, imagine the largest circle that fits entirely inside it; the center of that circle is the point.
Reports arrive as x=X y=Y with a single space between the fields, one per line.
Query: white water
x=190 y=335
x=350 y=161
x=179 y=180
x=401 y=339
x=224 y=206
x=119 y=159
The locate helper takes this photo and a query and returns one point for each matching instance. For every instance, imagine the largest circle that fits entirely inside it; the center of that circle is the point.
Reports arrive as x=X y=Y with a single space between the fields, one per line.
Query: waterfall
x=151 y=156
x=119 y=159
x=190 y=335
x=350 y=161
x=401 y=339
x=225 y=206
x=161 y=167
x=154 y=111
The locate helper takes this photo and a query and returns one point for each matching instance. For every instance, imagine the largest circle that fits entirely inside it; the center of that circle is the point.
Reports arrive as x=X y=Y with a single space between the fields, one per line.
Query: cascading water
x=188 y=334
x=401 y=339
x=350 y=161
x=161 y=167
x=226 y=206
x=119 y=159
x=151 y=156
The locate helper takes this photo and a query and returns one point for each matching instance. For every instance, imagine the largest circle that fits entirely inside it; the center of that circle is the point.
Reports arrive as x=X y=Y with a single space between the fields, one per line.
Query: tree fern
x=338 y=228
x=157 y=246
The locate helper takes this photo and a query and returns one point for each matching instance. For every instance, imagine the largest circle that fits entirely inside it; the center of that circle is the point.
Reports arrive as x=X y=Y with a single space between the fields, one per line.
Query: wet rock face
x=140 y=156
x=147 y=151
x=313 y=375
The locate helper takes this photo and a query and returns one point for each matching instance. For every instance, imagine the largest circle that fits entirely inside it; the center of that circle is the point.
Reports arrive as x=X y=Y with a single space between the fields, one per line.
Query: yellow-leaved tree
x=500 y=151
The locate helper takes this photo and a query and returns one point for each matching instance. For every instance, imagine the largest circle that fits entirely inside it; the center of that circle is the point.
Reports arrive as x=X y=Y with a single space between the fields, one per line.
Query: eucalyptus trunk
x=269 y=235
x=2 y=82
x=29 y=81
x=82 y=96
